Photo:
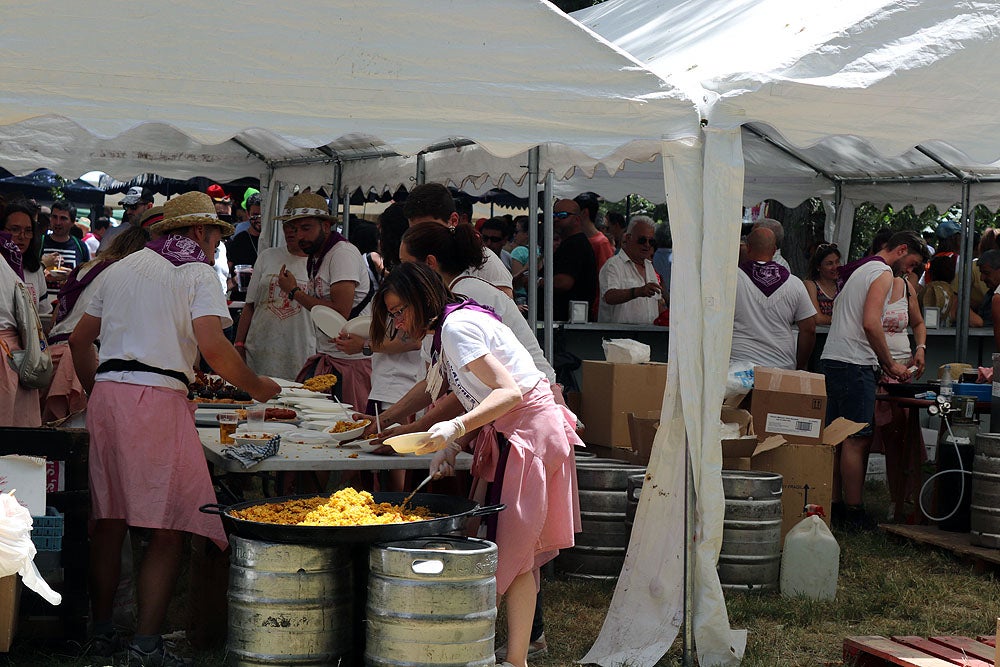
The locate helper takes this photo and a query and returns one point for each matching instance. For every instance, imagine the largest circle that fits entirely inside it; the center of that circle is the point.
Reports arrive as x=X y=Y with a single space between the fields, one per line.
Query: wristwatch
x=366 y=350
x=291 y=293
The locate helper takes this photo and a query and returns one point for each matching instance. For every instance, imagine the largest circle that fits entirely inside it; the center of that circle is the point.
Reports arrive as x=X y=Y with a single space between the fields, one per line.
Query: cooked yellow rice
x=320 y=382
x=346 y=507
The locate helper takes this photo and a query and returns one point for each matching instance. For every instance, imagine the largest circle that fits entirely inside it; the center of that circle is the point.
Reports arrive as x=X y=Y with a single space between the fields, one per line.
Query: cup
x=255 y=417
x=243 y=275
x=228 y=421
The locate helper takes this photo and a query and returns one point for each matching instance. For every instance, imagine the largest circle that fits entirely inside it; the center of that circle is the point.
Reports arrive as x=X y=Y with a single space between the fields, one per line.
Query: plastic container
x=946 y=382
x=810 y=562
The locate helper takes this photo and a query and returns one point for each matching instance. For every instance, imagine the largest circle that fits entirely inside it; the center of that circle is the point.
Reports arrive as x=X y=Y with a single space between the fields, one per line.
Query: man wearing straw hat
x=154 y=312
x=338 y=279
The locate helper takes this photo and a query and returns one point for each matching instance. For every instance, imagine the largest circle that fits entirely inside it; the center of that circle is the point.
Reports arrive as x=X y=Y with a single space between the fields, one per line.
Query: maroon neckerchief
x=11 y=253
x=313 y=262
x=71 y=290
x=844 y=272
x=178 y=250
x=766 y=276
x=467 y=304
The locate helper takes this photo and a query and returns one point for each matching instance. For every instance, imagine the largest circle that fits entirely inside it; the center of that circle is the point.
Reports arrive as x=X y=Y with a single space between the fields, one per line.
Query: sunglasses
x=823 y=247
x=644 y=240
x=131 y=207
x=562 y=215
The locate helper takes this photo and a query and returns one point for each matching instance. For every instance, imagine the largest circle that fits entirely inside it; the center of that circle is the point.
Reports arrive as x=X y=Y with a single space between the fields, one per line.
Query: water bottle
x=810 y=560
x=946 y=390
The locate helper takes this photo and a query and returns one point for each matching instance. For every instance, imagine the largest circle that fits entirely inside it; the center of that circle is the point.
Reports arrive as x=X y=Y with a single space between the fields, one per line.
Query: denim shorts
x=850 y=393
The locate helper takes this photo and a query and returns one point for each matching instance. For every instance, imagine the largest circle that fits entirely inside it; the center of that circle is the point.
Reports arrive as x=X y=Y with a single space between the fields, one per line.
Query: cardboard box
x=25 y=475
x=642 y=431
x=806 y=470
x=791 y=404
x=10 y=596
x=611 y=391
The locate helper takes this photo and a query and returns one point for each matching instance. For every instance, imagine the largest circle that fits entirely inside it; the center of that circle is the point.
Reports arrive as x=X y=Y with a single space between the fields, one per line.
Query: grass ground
x=887 y=586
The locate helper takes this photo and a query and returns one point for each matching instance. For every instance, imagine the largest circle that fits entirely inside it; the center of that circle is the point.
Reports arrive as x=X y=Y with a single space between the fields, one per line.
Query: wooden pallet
x=945 y=651
x=957 y=543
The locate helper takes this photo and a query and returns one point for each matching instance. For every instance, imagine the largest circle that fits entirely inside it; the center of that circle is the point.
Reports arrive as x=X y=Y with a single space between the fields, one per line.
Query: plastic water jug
x=810 y=562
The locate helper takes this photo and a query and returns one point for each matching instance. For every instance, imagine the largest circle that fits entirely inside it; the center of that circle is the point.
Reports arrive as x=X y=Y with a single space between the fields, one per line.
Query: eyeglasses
x=399 y=313
x=826 y=246
x=562 y=215
x=644 y=240
x=254 y=218
x=492 y=239
x=131 y=207
x=19 y=231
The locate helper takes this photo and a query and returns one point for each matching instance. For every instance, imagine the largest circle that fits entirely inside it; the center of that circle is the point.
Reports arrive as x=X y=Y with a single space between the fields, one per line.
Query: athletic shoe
x=158 y=657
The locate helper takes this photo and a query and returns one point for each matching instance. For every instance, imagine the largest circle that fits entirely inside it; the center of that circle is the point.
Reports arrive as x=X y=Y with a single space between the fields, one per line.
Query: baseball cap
x=135 y=195
x=216 y=192
x=947 y=229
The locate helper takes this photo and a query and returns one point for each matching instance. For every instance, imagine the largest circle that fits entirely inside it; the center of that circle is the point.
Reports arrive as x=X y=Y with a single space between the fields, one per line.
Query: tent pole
x=346 y=217
x=547 y=269
x=338 y=172
x=532 y=287
x=421 y=169
x=965 y=273
x=687 y=658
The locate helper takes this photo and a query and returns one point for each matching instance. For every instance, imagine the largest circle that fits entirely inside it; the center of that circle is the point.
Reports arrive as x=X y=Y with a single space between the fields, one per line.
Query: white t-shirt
x=469 y=335
x=762 y=326
x=35 y=280
x=395 y=374
x=484 y=294
x=342 y=262
x=846 y=340
x=620 y=272
x=281 y=335
x=493 y=271
x=68 y=323
x=7 y=281
x=146 y=306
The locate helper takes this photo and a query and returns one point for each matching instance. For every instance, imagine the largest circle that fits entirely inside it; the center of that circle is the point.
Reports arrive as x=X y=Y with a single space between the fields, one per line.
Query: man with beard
x=338 y=279
x=855 y=348
x=243 y=248
x=135 y=202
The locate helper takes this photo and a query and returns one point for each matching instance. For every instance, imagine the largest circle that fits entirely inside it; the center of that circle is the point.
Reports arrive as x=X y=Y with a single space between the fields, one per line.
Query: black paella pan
x=451 y=513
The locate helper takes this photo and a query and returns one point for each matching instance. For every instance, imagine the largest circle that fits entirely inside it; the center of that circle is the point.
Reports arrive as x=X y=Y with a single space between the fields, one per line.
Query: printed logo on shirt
x=278 y=302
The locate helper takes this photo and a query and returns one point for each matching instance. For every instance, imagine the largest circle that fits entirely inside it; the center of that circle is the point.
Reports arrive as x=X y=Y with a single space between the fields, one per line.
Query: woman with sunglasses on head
x=529 y=466
x=822 y=280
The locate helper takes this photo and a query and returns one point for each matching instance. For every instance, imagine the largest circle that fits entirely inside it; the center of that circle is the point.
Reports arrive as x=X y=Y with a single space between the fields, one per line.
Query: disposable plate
x=359 y=326
x=327 y=320
x=408 y=442
x=347 y=435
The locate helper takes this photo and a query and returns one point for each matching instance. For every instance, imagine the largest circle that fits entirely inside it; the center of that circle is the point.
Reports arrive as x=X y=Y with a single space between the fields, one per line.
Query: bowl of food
x=345 y=430
x=255 y=438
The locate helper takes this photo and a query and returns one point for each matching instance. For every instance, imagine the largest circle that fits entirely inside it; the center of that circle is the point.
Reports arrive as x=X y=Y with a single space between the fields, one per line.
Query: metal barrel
x=985 y=516
x=750 y=558
x=289 y=604
x=632 y=491
x=431 y=601
x=600 y=549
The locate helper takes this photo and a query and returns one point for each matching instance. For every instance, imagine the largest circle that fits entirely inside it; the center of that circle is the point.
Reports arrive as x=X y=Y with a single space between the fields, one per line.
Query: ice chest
x=611 y=391
x=791 y=404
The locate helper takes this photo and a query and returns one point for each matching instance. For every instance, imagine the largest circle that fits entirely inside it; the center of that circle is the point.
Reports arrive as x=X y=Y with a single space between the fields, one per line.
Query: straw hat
x=190 y=208
x=151 y=216
x=306 y=205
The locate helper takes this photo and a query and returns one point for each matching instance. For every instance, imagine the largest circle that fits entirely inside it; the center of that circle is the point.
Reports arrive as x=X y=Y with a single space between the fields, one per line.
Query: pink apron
x=147 y=465
x=65 y=395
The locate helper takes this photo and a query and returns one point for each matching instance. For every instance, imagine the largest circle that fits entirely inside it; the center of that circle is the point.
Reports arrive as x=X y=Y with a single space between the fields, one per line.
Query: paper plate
x=348 y=435
x=321 y=405
x=294 y=392
x=287 y=383
x=270 y=427
x=306 y=437
x=327 y=320
x=359 y=326
x=408 y=442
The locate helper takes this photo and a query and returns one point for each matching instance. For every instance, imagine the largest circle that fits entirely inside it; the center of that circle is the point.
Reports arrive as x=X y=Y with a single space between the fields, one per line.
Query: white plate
x=324 y=416
x=296 y=392
x=242 y=439
x=290 y=384
x=306 y=437
x=320 y=405
x=408 y=442
x=327 y=320
x=359 y=326
x=270 y=427
x=347 y=435
x=318 y=424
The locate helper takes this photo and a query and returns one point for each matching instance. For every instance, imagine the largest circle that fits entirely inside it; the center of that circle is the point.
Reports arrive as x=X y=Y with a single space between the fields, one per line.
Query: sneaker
x=536 y=649
x=158 y=657
x=108 y=645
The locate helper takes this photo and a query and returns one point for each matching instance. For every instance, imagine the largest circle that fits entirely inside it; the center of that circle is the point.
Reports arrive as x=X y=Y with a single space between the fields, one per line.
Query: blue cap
x=947 y=229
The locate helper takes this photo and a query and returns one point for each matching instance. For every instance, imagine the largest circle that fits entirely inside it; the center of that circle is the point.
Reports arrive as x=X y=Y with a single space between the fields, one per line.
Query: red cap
x=216 y=192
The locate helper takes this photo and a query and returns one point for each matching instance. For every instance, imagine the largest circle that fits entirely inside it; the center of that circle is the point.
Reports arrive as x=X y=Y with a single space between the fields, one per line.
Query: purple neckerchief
x=178 y=250
x=71 y=290
x=467 y=304
x=11 y=253
x=313 y=262
x=767 y=276
x=844 y=272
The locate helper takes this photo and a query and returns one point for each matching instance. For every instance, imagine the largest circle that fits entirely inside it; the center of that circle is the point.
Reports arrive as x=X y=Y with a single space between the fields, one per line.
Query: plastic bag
x=625 y=351
x=17 y=551
x=739 y=379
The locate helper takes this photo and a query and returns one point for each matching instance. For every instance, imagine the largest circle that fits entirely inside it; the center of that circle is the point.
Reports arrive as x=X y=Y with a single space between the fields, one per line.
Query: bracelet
x=291 y=293
x=922 y=346
x=239 y=345
x=631 y=293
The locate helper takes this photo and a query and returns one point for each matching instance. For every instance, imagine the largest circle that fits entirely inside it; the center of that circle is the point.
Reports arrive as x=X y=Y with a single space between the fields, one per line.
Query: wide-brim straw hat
x=305 y=205
x=187 y=210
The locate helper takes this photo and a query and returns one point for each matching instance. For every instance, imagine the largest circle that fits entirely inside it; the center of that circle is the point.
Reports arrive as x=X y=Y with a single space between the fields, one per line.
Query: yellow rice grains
x=347 y=507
